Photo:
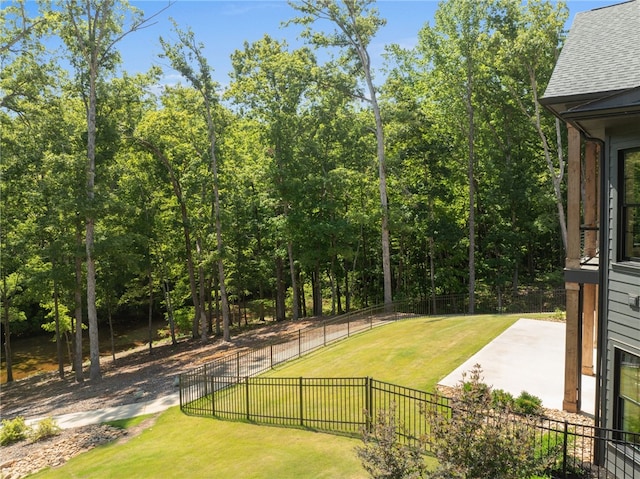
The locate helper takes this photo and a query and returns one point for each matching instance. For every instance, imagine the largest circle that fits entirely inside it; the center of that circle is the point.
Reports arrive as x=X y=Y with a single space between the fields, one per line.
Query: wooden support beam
x=590 y=204
x=573 y=199
x=572 y=367
x=572 y=383
x=590 y=212
x=588 y=327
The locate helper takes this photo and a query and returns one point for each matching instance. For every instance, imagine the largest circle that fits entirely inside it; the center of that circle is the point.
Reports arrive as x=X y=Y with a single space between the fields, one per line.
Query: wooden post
x=588 y=327
x=572 y=386
x=590 y=212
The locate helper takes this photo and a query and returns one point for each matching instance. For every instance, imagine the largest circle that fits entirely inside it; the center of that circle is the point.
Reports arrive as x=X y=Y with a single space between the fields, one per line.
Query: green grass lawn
x=414 y=353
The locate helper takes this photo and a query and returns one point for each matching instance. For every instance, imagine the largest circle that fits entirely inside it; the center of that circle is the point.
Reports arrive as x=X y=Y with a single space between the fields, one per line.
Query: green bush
x=382 y=456
x=13 y=430
x=471 y=444
x=502 y=400
x=48 y=427
x=527 y=403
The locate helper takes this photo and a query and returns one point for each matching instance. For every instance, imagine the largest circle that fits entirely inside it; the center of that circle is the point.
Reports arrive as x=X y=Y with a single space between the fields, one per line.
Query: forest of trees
x=299 y=185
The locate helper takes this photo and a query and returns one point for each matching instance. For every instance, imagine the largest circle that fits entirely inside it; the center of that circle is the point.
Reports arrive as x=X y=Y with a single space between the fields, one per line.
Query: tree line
x=301 y=183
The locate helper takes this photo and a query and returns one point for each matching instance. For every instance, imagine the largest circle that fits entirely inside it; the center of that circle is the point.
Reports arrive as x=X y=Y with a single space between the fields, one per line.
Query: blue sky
x=223 y=26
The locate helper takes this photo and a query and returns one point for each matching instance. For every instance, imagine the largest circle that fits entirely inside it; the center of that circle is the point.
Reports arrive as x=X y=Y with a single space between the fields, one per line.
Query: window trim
x=622 y=208
x=618 y=399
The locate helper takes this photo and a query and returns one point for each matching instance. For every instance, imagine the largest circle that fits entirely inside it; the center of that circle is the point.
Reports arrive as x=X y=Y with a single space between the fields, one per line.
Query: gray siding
x=623 y=321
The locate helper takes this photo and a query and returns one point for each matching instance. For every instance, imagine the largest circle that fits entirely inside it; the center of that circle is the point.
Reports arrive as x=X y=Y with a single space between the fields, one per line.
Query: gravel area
x=137 y=375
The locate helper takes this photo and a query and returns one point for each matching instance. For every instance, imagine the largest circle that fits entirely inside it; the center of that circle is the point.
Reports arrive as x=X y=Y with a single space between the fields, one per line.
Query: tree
x=91 y=31
x=273 y=83
x=356 y=23
x=528 y=47
x=200 y=79
x=455 y=46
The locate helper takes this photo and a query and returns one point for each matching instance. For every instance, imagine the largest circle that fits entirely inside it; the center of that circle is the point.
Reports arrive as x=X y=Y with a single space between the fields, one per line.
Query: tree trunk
x=347 y=292
x=382 y=178
x=111 y=337
x=204 y=326
x=150 y=312
x=78 y=357
x=280 y=290
x=470 y=177
x=92 y=313
x=316 y=287
x=294 y=283
x=7 y=330
x=56 y=313
x=169 y=304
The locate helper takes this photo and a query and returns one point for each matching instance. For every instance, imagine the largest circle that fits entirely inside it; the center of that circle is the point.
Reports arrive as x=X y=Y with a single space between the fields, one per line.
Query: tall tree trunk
x=7 y=330
x=294 y=284
x=316 y=287
x=204 y=325
x=280 y=291
x=169 y=304
x=432 y=274
x=382 y=179
x=347 y=291
x=92 y=314
x=111 y=335
x=56 y=314
x=150 y=276
x=78 y=357
x=471 y=179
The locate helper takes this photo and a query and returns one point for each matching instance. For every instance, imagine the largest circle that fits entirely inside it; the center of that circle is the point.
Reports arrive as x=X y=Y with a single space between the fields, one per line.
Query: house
x=595 y=90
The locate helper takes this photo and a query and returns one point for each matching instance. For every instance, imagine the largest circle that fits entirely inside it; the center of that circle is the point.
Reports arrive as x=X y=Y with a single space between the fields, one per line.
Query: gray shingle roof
x=601 y=53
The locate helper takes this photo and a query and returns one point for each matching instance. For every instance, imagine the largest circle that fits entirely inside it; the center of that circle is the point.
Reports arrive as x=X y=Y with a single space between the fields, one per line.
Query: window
x=628 y=395
x=630 y=205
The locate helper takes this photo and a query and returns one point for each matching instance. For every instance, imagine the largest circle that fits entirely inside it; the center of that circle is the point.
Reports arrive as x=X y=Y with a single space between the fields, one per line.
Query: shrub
x=13 y=430
x=48 y=427
x=472 y=443
x=502 y=400
x=527 y=403
x=382 y=456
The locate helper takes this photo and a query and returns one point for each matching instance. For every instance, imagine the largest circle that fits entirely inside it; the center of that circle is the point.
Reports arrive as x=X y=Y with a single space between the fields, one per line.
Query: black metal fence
x=330 y=330
x=225 y=388
x=340 y=406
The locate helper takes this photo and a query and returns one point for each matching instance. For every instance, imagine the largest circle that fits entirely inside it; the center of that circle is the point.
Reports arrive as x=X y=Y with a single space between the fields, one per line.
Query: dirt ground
x=137 y=375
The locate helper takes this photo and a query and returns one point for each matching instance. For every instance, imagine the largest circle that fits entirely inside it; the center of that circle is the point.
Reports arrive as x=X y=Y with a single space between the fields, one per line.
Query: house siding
x=622 y=280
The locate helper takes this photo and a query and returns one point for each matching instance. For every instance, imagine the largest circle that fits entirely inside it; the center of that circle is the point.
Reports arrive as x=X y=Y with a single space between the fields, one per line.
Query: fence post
x=238 y=365
x=213 y=397
x=206 y=380
x=301 y=404
x=299 y=342
x=565 y=440
x=246 y=381
x=348 y=328
x=368 y=400
x=271 y=355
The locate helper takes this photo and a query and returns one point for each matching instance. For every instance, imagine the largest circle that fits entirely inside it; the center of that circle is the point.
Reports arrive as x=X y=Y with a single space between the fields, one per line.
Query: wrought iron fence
x=327 y=331
x=345 y=406
x=226 y=388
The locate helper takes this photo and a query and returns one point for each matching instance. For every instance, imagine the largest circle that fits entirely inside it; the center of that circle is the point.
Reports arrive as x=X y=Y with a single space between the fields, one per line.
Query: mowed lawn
x=415 y=353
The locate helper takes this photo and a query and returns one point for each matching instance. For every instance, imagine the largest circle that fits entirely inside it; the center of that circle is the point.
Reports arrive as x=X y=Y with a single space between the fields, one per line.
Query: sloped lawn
x=414 y=353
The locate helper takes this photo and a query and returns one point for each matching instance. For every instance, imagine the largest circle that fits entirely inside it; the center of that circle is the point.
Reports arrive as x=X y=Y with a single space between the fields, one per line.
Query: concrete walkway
x=529 y=356
x=84 y=418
